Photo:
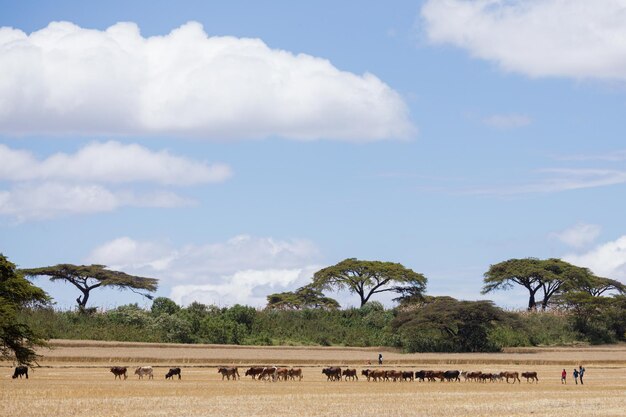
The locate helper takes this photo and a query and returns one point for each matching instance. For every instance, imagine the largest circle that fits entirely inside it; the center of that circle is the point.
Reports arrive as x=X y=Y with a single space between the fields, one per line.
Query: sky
x=232 y=149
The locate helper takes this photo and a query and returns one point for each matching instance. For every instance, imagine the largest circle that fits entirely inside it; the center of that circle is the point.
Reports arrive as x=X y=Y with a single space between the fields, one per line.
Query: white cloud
x=109 y=162
x=539 y=38
x=50 y=200
x=243 y=270
x=606 y=260
x=507 y=121
x=249 y=287
x=579 y=235
x=67 y=79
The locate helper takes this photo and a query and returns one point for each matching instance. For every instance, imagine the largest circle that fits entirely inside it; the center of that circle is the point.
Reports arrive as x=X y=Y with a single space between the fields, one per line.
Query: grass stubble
x=88 y=389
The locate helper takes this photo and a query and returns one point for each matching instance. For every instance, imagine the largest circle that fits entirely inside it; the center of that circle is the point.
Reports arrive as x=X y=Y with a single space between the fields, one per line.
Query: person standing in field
x=575 y=373
x=581 y=372
x=380 y=358
x=563 y=377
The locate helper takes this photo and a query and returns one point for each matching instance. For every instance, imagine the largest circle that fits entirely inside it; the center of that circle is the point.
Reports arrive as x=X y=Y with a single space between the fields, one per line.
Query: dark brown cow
x=267 y=373
x=333 y=373
x=228 y=373
x=172 y=372
x=19 y=371
x=513 y=375
x=432 y=376
x=420 y=375
x=530 y=376
x=295 y=373
x=254 y=371
x=366 y=373
x=350 y=373
x=118 y=371
x=407 y=375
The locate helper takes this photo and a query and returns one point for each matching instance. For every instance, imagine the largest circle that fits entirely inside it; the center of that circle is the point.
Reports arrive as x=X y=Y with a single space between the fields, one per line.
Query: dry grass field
x=71 y=384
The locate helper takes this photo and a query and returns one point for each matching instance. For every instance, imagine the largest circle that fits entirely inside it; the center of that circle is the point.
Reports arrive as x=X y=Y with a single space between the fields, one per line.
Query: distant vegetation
x=437 y=324
x=575 y=307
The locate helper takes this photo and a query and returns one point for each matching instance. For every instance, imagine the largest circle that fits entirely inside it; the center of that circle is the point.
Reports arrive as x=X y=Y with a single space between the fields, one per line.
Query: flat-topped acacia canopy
x=89 y=277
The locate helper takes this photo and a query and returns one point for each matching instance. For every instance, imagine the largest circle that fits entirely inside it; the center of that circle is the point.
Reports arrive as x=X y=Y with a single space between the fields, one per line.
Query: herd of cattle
x=332 y=373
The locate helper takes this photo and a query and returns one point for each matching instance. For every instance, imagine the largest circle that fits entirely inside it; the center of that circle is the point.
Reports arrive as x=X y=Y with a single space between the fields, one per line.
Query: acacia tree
x=17 y=340
x=367 y=278
x=550 y=276
x=89 y=277
x=596 y=286
x=303 y=298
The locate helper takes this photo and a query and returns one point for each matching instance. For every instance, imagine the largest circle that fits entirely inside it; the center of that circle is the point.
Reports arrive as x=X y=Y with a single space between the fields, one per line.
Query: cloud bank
x=66 y=79
x=606 y=260
x=579 y=235
x=89 y=180
x=244 y=269
x=539 y=38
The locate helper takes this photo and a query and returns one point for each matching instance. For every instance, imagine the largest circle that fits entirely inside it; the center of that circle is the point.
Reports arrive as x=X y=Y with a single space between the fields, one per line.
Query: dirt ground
x=84 y=386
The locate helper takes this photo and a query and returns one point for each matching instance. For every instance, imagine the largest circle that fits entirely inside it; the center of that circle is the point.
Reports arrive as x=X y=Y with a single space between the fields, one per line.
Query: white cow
x=144 y=370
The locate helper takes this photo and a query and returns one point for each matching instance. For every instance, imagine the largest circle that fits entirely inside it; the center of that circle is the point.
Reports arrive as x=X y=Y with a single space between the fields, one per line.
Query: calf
x=19 y=371
x=118 y=371
x=143 y=371
x=172 y=372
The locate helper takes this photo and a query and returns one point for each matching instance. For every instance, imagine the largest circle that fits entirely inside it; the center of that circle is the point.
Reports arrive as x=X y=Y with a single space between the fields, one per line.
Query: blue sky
x=231 y=149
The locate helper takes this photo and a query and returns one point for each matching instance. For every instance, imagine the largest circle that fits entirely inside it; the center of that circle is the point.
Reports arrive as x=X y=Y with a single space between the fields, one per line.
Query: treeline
x=435 y=324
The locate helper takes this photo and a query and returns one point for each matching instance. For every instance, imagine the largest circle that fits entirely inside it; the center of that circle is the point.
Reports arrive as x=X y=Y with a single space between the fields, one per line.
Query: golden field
x=71 y=384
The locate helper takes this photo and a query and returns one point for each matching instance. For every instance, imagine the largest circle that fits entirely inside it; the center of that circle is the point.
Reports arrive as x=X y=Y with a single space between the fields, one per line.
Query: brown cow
x=350 y=373
x=366 y=373
x=254 y=371
x=295 y=373
x=228 y=372
x=530 y=376
x=507 y=375
x=407 y=375
x=118 y=371
x=377 y=375
x=393 y=375
x=280 y=373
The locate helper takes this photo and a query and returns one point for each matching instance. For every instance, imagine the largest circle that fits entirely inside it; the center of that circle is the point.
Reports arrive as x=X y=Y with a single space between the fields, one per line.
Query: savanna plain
x=74 y=380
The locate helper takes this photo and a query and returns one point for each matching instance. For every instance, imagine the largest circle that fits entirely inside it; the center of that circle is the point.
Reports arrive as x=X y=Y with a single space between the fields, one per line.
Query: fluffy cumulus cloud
x=63 y=183
x=568 y=38
x=579 y=235
x=607 y=260
x=244 y=269
x=68 y=79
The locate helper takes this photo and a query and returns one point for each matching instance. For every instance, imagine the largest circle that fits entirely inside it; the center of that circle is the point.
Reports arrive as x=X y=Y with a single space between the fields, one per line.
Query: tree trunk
x=82 y=301
x=532 y=304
